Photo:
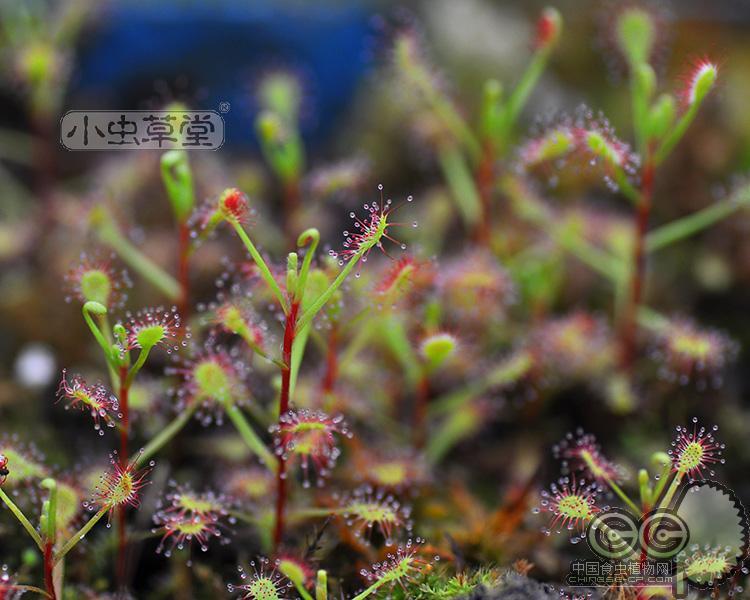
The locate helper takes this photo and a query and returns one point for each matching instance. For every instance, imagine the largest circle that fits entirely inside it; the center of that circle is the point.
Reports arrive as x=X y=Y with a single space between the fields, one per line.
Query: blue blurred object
x=220 y=49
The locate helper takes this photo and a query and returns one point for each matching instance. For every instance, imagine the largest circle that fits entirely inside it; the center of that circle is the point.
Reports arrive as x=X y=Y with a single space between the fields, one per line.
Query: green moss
x=441 y=584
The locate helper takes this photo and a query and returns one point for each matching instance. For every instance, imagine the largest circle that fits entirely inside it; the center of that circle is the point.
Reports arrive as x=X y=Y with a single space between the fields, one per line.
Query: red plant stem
x=629 y=327
x=183 y=273
x=642 y=588
x=49 y=567
x=484 y=180
x=644 y=553
x=125 y=424
x=286 y=372
x=124 y=432
x=420 y=411
x=332 y=362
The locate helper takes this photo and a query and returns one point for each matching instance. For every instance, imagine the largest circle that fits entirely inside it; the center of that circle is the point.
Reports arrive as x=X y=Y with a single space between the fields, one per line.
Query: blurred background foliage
x=88 y=55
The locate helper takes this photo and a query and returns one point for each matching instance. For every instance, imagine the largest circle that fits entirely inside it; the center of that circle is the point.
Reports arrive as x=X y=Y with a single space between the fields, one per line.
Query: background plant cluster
x=544 y=216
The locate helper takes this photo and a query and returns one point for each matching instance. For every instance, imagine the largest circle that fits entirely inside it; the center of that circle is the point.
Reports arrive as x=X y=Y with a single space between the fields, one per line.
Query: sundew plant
x=330 y=361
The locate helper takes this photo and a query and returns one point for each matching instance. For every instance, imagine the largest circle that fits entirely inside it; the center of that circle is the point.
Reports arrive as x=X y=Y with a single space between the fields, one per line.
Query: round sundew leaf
x=148 y=337
x=253 y=483
x=707 y=568
x=691 y=343
x=373 y=512
x=96 y=286
x=557 y=143
x=308 y=439
x=195 y=503
x=191 y=527
x=95 y=307
x=438 y=348
x=232 y=319
x=292 y=571
x=212 y=380
x=691 y=457
x=575 y=507
x=68 y=504
x=635 y=34
x=263 y=588
x=140 y=397
x=599 y=146
x=256 y=488
x=390 y=473
x=21 y=467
